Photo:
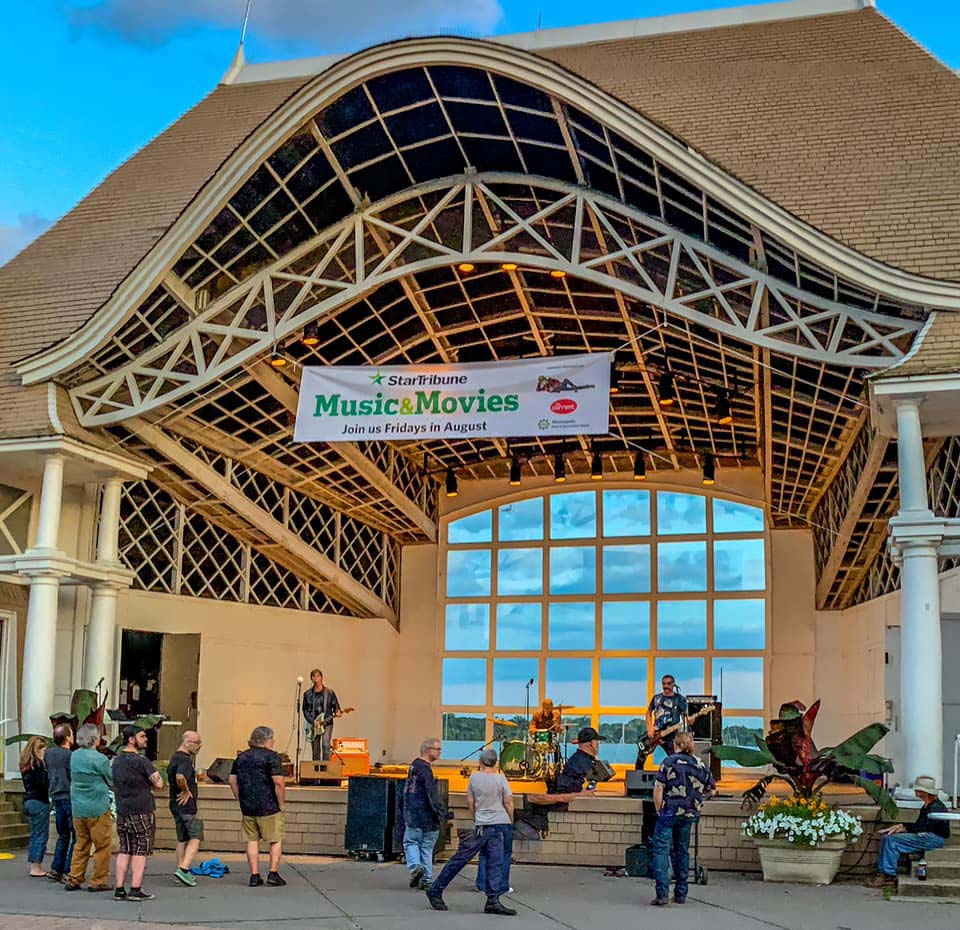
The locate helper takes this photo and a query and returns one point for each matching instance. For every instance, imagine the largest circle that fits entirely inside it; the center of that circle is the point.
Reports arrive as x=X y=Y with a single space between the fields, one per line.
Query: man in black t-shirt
x=134 y=779
x=257 y=783
x=182 y=779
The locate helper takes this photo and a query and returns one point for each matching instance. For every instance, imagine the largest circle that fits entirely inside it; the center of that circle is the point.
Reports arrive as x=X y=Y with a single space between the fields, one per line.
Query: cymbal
x=503 y=723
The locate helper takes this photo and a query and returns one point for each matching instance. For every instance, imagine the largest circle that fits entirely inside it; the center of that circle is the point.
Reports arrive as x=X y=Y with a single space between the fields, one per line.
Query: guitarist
x=320 y=707
x=666 y=710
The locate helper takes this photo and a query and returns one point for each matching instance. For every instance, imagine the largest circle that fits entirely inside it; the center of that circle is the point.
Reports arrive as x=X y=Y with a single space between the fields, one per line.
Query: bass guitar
x=321 y=723
x=647 y=743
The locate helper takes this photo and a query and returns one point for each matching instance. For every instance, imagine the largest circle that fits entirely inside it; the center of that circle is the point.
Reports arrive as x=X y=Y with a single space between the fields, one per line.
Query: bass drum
x=518 y=760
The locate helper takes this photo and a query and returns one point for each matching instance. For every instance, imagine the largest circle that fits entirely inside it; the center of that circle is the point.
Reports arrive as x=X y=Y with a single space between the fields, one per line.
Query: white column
x=108 y=538
x=39 y=655
x=921 y=669
x=51 y=493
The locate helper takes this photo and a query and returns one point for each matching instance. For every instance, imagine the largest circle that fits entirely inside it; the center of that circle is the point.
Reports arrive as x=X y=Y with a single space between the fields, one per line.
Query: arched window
x=595 y=594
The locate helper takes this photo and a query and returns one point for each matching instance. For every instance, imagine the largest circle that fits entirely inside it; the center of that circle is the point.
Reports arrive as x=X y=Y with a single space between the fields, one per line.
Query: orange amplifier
x=352 y=751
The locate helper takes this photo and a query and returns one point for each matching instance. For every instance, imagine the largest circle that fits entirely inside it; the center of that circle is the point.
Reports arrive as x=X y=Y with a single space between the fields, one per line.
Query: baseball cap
x=587 y=734
x=489 y=757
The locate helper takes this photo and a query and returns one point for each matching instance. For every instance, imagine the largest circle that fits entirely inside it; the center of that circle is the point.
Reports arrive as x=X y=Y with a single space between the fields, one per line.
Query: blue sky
x=88 y=82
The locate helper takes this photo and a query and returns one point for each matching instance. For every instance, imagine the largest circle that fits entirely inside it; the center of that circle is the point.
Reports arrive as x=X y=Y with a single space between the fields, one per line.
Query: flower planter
x=783 y=861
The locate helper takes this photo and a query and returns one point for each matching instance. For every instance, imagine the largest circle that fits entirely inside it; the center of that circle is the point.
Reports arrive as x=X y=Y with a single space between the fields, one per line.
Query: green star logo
x=377 y=378
x=543 y=424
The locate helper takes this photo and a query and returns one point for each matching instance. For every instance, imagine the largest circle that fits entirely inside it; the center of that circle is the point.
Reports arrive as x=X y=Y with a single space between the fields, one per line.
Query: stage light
x=615 y=376
x=722 y=410
x=639 y=467
x=509 y=266
x=559 y=468
x=466 y=267
x=451 y=484
x=515 y=472
x=311 y=335
x=709 y=469
x=666 y=390
x=277 y=360
x=558 y=273
x=596 y=466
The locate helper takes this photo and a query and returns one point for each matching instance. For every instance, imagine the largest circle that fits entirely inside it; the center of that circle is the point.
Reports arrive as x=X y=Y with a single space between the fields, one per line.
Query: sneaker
x=274 y=879
x=182 y=875
x=495 y=906
x=138 y=894
x=119 y=894
x=659 y=902
x=881 y=881
x=417 y=875
x=436 y=901
x=255 y=881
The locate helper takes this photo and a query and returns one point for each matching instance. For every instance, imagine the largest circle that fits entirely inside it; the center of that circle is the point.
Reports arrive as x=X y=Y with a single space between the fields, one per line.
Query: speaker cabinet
x=312 y=773
x=640 y=783
x=443 y=793
x=371 y=813
x=710 y=725
x=219 y=771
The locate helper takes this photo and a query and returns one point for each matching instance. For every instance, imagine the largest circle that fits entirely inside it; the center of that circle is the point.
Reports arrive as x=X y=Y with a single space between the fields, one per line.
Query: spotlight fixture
x=559 y=468
x=466 y=267
x=451 y=484
x=722 y=410
x=616 y=374
x=558 y=273
x=666 y=389
x=515 y=472
x=509 y=266
x=639 y=467
x=311 y=335
x=277 y=360
x=709 y=469
x=596 y=466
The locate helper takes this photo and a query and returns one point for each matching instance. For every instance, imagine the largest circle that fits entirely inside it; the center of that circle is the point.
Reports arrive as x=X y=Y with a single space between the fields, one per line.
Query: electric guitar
x=320 y=723
x=647 y=743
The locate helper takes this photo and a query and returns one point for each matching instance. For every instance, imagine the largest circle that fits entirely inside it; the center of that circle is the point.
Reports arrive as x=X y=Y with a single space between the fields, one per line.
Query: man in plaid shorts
x=134 y=779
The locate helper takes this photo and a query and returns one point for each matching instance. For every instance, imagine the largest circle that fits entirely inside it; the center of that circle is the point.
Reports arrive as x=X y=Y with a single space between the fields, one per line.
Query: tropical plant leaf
x=852 y=752
x=792 y=711
x=876 y=765
x=83 y=704
x=742 y=755
x=879 y=794
x=22 y=738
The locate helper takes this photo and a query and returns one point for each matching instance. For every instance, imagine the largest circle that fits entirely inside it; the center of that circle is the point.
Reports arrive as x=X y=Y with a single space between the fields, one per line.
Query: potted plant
x=801 y=839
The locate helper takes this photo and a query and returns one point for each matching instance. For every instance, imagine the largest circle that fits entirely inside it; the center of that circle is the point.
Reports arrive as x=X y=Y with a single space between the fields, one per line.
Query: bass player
x=666 y=710
x=320 y=709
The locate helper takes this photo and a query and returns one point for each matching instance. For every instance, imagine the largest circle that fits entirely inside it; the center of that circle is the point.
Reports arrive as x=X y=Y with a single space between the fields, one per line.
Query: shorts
x=136 y=833
x=189 y=826
x=269 y=829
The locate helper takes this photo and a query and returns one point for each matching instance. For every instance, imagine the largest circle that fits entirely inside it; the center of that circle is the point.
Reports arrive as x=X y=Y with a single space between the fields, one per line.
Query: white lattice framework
x=636 y=255
x=14 y=520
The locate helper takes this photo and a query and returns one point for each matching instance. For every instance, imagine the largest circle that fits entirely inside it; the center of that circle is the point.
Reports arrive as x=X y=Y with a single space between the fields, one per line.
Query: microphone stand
x=296 y=717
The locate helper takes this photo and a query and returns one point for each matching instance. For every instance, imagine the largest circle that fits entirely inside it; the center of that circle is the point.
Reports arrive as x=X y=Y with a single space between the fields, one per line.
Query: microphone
x=530 y=682
x=299 y=679
x=97 y=685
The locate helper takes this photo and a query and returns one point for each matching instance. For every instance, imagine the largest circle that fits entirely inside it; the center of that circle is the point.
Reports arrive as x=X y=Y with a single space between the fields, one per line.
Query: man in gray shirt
x=491 y=802
x=57 y=761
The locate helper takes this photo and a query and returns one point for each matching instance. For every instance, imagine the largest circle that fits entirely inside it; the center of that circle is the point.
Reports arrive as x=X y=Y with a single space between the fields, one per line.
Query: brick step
x=949 y=854
x=11 y=838
x=10 y=818
x=931 y=888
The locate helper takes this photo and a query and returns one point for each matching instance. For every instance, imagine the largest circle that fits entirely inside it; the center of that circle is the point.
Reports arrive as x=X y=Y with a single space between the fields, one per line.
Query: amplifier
x=354 y=763
x=314 y=772
x=640 y=783
x=350 y=744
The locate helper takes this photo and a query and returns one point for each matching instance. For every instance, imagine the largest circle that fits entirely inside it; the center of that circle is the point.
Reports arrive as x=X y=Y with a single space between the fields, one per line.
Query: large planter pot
x=782 y=861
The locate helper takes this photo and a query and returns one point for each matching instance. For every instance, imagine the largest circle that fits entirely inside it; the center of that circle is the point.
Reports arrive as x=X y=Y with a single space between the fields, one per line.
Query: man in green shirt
x=90 y=782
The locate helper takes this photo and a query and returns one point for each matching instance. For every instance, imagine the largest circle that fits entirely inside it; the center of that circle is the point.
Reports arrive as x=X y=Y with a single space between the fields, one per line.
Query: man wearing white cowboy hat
x=926 y=833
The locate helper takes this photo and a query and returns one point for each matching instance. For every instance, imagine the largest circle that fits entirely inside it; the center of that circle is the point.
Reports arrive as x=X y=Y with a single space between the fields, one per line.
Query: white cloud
x=329 y=25
x=16 y=236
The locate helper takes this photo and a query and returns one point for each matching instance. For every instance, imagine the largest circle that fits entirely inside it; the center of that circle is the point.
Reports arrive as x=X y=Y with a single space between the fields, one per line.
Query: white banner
x=565 y=396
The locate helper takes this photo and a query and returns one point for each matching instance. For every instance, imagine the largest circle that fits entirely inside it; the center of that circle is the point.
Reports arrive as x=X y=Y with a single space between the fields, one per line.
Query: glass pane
x=738 y=565
x=571 y=626
x=468 y=573
x=626 y=625
x=621 y=734
x=464 y=681
x=741 y=731
x=623 y=682
x=626 y=513
x=730 y=517
x=468 y=626
x=519 y=626
x=681 y=625
x=681 y=514
x=687 y=672
x=462 y=734
x=521 y=520
x=573 y=516
x=503 y=731
x=569 y=682
x=740 y=624
x=739 y=682
x=682 y=566
x=626 y=569
x=476 y=528
x=509 y=678
x=520 y=571
x=573 y=570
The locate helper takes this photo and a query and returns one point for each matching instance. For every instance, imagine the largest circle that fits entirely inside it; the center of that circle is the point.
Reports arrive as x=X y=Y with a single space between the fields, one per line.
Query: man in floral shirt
x=681 y=786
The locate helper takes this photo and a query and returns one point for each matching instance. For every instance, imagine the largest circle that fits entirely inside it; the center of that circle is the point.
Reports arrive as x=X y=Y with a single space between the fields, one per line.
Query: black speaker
x=371 y=811
x=640 y=783
x=443 y=793
x=639 y=861
x=710 y=725
x=219 y=771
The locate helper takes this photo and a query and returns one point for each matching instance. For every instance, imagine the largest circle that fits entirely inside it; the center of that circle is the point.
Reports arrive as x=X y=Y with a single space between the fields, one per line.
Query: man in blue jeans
x=422 y=814
x=57 y=761
x=681 y=786
x=926 y=833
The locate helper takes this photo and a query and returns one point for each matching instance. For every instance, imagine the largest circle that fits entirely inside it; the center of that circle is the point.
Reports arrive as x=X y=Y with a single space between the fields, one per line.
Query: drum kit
x=534 y=757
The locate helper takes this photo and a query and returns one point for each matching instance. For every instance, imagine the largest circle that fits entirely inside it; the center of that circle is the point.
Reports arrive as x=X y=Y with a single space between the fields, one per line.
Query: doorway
x=159 y=674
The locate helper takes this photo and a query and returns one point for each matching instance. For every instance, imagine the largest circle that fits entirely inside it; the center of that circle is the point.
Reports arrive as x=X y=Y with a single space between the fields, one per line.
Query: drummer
x=547 y=719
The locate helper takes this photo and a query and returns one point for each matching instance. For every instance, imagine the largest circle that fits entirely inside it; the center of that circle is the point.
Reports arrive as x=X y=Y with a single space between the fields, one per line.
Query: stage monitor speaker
x=312 y=772
x=640 y=783
x=639 y=861
x=219 y=771
x=371 y=812
x=709 y=726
